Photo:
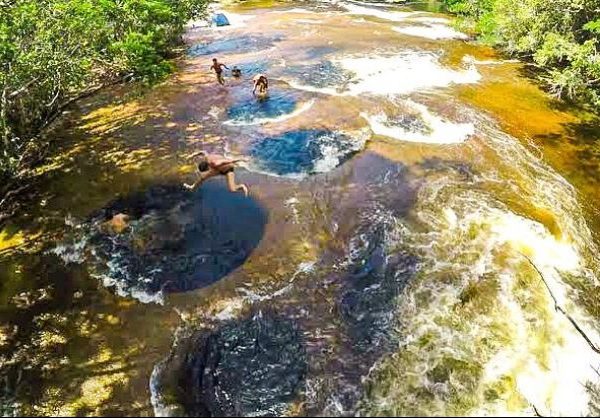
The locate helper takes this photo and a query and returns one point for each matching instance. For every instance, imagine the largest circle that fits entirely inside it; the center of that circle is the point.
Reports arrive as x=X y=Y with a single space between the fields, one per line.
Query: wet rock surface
x=409 y=122
x=240 y=43
x=368 y=301
x=252 y=367
x=176 y=240
x=322 y=74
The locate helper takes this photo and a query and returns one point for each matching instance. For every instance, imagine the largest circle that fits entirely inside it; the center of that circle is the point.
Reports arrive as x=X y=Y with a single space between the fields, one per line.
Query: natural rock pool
x=418 y=210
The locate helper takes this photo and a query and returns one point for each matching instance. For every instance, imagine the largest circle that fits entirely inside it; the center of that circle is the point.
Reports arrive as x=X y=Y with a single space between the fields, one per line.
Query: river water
x=421 y=235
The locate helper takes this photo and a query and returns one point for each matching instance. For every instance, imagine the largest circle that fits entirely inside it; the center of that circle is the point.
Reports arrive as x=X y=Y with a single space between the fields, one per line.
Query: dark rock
x=255 y=367
x=368 y=303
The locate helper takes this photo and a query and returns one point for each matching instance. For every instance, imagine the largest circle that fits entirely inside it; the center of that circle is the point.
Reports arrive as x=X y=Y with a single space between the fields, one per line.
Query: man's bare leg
x=235 y=187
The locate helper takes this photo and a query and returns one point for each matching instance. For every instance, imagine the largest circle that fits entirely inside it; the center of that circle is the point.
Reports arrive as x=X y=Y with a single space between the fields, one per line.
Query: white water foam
x=432 y=31
x=439 y=130
x=404 y=73
x=116 y=269
x=215 y=112
x=470 y=60
x=386 y=75
x=527 y=351
x=262 y=121
x=428 y=19
x=355 y=9
x=331 y=91
x=73 y=253
x=161 y=409
x=332 y=154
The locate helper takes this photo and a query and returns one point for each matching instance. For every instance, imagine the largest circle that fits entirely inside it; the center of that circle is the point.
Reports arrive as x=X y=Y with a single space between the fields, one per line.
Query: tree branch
x=561 y=309
x=23 y=88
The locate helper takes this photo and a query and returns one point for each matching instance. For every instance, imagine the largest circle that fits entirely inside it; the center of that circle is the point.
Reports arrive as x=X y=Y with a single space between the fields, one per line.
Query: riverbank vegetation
x=560 y=37
x=53 y=52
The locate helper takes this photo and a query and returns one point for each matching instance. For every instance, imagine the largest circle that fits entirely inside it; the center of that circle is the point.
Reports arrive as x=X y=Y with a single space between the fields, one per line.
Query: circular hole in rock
x=253 y=111
x=252 y=367
x=303 y=152
x=169 y=239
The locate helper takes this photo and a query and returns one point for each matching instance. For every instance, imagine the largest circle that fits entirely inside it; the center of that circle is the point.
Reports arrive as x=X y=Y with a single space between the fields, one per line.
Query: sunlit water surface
x=404 y=250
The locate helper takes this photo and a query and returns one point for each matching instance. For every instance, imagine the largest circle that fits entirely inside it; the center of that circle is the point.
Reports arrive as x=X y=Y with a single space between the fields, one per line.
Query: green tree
x=561 y=37
x=54 y=51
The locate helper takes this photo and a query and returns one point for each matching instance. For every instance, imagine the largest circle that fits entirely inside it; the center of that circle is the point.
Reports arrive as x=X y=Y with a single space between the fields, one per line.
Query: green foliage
x=52 y=51
x=562 y=37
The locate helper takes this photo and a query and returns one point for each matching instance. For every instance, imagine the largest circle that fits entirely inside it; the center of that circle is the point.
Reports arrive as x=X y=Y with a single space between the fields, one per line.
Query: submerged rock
x=380 y=273
x=254 y=367
x=305 y=151
x=235 y=44
x=117 y=224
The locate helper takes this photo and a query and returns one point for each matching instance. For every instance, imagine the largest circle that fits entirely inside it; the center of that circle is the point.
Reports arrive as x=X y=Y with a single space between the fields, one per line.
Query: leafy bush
x=53 y=51
x=561 y=36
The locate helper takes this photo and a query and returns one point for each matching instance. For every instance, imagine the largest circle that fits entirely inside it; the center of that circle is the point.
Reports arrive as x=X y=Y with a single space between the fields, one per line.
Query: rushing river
x=421 y=235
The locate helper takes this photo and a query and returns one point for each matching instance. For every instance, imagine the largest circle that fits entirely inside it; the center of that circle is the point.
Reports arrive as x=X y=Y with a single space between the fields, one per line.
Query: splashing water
x=478 y=332
x=428 y=127
x=408 y=280
x=380 y=14
x=297 y=154
x=403 y=73
x=431 y=31
x=380 y=74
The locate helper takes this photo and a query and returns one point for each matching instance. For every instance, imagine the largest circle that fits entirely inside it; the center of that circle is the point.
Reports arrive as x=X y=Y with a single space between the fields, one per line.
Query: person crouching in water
x=213 y=165
x=261 y=83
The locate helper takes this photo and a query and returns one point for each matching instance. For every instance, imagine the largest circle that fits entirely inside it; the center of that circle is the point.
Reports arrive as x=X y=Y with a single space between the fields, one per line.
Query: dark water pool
x=176 y=240
x=252 y=367
x=304 y=152
x=252 y=110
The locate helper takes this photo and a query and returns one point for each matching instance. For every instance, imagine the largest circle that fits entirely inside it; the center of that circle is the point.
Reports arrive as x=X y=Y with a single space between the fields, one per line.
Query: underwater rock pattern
x=254 y=367
x=253 y=110
x=303 y=152
x=379 y=274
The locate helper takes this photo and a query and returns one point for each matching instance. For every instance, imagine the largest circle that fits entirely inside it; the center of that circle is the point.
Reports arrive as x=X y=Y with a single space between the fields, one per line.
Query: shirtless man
x=261 y=83
x=214 y=165
x=217 y=67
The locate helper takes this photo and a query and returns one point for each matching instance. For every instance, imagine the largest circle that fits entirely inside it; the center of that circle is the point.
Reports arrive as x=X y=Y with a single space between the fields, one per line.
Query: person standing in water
x=236 y=72
x=217 y=67
x=261 y=83
x=213 y=165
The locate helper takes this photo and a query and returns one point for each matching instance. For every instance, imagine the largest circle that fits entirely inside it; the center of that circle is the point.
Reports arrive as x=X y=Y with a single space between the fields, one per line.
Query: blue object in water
x=220 y=20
